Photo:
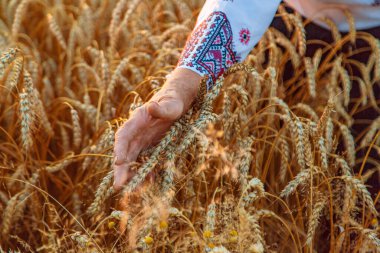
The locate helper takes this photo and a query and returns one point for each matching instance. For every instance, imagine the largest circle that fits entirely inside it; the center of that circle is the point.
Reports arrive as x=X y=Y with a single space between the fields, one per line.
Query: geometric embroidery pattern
x=245 y=36
x=210 y=48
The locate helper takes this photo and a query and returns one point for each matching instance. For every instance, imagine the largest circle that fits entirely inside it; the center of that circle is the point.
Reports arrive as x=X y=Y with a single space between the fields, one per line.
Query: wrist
x=185 y=82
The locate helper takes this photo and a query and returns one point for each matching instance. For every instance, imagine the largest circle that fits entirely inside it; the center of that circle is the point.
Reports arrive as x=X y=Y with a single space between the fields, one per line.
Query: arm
x=225 y=33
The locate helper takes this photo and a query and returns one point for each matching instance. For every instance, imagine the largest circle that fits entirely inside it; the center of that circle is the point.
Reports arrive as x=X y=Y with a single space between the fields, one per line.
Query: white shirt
x=365 y=12
x=227 y=30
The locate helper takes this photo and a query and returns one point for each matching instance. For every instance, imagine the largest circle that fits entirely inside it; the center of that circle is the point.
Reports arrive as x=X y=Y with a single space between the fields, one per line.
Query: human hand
x=149 y=123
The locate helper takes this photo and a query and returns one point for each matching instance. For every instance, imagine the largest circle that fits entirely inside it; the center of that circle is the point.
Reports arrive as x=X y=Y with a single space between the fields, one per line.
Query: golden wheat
x=256 y=165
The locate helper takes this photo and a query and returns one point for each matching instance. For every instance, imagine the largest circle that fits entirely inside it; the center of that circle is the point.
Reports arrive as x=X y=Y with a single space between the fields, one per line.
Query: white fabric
x=365 y=12
x=247 y=20
x=256 y=15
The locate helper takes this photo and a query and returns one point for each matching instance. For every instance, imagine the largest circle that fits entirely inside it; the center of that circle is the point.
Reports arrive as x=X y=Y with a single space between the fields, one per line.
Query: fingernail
x=116 y=186
x=116 y=183
x=118 y=161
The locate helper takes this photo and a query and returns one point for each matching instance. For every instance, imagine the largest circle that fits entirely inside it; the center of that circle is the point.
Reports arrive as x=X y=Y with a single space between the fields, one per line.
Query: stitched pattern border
x=209 y=49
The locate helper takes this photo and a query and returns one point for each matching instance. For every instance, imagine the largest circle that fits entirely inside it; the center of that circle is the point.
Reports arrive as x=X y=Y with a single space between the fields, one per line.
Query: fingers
x=123 y=170
x=126 y=149
x=165 y=109
x=128 y=133
x=121 y=176
x=121 y=167
x=143 y=128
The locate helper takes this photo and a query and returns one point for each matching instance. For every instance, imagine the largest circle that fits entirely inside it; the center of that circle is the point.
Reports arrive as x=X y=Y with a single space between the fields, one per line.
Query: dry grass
x=252 y=167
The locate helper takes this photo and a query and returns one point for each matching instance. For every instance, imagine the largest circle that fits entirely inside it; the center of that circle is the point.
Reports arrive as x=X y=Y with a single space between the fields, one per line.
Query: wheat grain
x=300 y=179
x=36 y=105
x=283 y=41
x=329 y=134
x=362 y=191
x=375 y=44
x=284 y=146
x=371 y=236
x=115 y=21
x=60 y=166
x=19 y=14
x=210 y=218
x=346 y=116
x=6 y=58
x=351 y=22
x=344 y=166
x=317 y=59
x=23 y=243
x=245 y=158
x=89 y=110
x=257 y=188
x=115 y=35
x=65 y=139
x=310 y=76
x=26 y=121
x=323 y=153
x=314 y=219
x=104 y=69
x=363 y=92
x=334 y=29
x=307 y=110
x=301 y=34
x=349 y=143
x=273 y=50
x=81 y=239
x=325 y=117
x=102 y=193
x=256 y=246
x=77 y=203
x=54 y=28
x=13 y=80
x=202 y=145
x=173 y=30
x=346 y=85
x=77 y=130
x=368 y=137
x=117 y=73
x=348 y=204
x=309 y=156
x=168 y=178
x=17 y=205
x=8 y=214
x=298 y=135
x=86 y=21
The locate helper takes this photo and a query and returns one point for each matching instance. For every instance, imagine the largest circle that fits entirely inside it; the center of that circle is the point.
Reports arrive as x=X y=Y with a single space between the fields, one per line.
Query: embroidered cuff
x=210 y=49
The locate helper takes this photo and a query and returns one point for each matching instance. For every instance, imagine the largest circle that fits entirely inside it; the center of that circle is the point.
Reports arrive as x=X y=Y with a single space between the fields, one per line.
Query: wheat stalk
x=20 y=12
x=362 y=191
x=54 y=28
x=314 y=219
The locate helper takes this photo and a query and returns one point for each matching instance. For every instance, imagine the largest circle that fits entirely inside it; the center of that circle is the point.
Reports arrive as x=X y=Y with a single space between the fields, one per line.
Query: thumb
x=166 y=109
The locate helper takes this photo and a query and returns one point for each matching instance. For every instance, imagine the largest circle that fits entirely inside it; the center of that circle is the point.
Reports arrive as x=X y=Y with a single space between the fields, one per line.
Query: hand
x=149 y=123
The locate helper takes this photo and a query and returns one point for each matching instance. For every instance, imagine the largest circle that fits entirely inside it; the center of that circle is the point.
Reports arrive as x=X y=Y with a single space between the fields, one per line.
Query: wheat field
x=254 y=166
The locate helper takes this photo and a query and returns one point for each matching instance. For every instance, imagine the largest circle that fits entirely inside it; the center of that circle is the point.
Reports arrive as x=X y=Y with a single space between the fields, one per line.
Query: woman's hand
x=149 y=123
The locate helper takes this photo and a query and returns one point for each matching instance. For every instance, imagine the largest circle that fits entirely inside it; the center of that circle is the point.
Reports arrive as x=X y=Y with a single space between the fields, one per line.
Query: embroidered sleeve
x=225 y=32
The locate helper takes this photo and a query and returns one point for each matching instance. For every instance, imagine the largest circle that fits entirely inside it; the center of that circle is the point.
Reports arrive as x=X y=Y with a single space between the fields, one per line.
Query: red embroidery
x=245 y=36
x=209 y=49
